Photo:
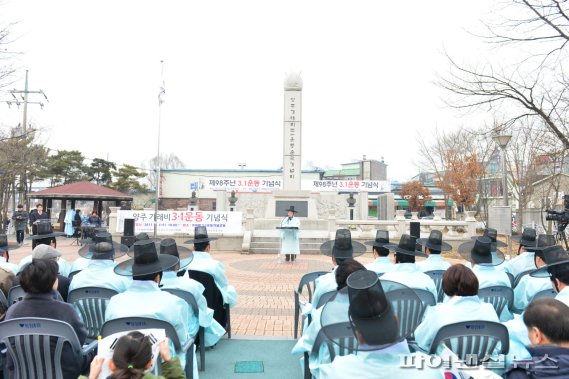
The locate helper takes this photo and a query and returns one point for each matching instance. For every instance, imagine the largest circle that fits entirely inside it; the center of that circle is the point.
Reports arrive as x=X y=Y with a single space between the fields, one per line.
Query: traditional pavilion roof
x=80 y=191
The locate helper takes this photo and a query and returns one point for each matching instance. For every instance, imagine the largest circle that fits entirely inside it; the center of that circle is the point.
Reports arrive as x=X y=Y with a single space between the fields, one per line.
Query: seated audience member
x=478 y=252
x=39 y=280
x=380 y=346
x=145 y=299
x=339 y=302
x=382 y=263
x=461 y=286
x=82 y=262
x=493 y=235
x=524 y=260
x=213 y=331
x=7 y=277
x=132 y=358
x=516 y=328
x=100 y=271
x=528 y=285
x=339 y=249
x=406 y=271
x=558 y=272
x=205 y=263
x=47 y=252
x=433 y=247
x=94 y=219
x=46 y=236
x=5 y=248
x=547 y=323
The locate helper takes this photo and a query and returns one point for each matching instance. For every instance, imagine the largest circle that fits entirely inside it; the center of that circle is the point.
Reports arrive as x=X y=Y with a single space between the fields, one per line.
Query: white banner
x=243 y=185
x=351 y=185
x=172 y=222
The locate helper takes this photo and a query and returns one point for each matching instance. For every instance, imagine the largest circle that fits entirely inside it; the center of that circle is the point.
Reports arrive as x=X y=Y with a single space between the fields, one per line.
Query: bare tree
x=7 y=68
x=536 y=86
x=167 y=161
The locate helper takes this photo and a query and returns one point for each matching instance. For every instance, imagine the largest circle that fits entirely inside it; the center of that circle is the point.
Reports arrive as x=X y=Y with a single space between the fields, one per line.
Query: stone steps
x=271 y=245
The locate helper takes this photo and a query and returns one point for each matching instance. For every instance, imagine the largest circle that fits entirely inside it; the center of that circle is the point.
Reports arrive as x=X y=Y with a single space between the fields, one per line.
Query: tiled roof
x=83 y=190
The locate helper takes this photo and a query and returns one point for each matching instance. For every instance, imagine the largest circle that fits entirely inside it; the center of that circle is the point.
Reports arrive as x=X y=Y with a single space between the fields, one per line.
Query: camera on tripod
x=561 y=217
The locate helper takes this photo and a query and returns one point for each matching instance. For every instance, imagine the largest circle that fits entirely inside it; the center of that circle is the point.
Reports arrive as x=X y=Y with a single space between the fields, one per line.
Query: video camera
x=561 y=217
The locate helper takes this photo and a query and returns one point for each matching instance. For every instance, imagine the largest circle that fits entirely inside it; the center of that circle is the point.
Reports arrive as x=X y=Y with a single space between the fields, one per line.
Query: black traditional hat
x=168 y=246
x=342 y=246
x=146 y=261
x=480 y=252
x=493 y=235
x=381 y=239
x=543 y=241
x=45 y=230
x=101 y=250
x=5 y=245
x=291 y=209
x=200 y=235
x=370 y=310
x=90 y=251
x=435 y=241
x=527 y=239
x=407 y=245
x=554 y=256
x=145 y=237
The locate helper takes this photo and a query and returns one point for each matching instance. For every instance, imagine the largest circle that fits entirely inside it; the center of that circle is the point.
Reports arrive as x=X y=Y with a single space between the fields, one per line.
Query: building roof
x=80 y=191
x=343 y=172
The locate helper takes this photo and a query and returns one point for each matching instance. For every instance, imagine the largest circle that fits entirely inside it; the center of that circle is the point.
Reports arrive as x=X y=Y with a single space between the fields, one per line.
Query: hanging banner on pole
x=176 y=222
x=351 y=185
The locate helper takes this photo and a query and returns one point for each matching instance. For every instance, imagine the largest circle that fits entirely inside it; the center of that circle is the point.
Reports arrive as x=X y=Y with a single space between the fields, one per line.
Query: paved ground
x=264 y=286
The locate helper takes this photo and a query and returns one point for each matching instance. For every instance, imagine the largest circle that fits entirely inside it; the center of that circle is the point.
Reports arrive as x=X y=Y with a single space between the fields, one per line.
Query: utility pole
x=20 y=97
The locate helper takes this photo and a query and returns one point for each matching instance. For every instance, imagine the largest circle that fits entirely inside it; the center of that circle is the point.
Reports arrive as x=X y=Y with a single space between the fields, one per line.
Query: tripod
x=560 y=234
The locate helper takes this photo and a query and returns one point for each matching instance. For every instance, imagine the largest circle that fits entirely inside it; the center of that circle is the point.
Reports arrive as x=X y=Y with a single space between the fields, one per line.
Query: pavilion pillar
x=100 y=209
x=62 y=214
x=73 y=204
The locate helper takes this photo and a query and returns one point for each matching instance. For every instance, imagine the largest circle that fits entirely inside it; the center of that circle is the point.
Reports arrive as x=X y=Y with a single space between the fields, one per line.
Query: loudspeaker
x=128 y=240
x=128 y=227
x=415 y=231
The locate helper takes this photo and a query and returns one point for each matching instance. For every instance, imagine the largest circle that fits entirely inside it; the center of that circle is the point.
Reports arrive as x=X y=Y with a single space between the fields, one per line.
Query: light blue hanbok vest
x=100 y=273
x=381 y=265
x=385 y=363
x=213 y=331
x=410 y=275
x=432 y=263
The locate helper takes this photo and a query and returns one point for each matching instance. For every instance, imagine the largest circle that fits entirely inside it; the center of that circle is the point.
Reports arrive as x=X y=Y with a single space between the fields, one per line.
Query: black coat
x=34 y=216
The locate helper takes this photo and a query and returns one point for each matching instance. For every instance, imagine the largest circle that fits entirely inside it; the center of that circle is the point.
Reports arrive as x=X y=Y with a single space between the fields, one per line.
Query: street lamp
x=502 y=141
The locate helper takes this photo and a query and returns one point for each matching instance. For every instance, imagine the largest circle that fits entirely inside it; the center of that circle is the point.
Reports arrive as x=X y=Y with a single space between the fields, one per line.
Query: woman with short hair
x=461 y=286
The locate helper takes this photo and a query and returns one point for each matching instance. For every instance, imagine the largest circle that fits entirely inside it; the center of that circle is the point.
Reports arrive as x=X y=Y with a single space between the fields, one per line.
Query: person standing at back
x=20 y=218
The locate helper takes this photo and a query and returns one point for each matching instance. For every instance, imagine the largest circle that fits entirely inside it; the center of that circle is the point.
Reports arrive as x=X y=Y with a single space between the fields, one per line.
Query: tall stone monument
x=292 y=149
x=292 y=194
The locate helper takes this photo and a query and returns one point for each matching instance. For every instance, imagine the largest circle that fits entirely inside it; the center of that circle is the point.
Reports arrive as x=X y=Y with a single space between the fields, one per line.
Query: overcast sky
x=368 y=69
